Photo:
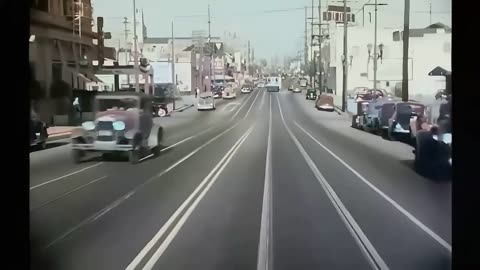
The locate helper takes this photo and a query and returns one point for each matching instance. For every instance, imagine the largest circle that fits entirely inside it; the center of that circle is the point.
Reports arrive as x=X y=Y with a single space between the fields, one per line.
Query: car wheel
x=162 y=112
x=134 y=156
x=354 y=122
x=77 y=155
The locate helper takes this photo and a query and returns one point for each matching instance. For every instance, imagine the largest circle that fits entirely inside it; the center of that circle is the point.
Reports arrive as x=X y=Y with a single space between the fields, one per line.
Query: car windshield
x=238 y=135
x=113 y=104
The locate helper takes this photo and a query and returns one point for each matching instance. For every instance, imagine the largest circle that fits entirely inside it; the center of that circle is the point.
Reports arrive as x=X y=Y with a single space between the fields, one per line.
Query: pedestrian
x=197 y=91
x=78 y=109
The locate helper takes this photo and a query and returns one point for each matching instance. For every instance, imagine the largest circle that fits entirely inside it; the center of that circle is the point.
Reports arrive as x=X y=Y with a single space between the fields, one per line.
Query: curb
x=183 y=108
x=58 y=136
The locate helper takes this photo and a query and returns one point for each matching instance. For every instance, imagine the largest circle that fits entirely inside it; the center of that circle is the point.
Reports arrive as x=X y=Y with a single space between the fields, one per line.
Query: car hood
x=130 y=118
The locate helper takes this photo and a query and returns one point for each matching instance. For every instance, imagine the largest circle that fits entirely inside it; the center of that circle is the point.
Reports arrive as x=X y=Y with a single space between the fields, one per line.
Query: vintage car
x=246 y=90
x=123 y=124
x=217 y=92
x=325 y=103
x=206 y=102
x=297 y=90
x=38 y=131
x=433 y=142
x=311 y=94
x=378 y=112
x=358 y=117
x=357 y=91
x=370 y=94
x=290 y=88
x=229 y=92
x=399 y=123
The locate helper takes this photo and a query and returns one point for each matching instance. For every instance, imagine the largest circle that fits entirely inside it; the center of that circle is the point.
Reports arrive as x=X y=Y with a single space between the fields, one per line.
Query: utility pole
x=248 y=64
x=211 y=50
x=430 y=12
x=174 y=81
x=312 y=56
x=375 y=57
x=406 y=36
x=320 y=83
x=345 y=52
x=135 y=55
x=305 y=52
x=125 y=22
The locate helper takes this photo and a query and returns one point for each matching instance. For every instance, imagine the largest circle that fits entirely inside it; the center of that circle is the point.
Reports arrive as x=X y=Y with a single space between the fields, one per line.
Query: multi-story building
x=62 y=43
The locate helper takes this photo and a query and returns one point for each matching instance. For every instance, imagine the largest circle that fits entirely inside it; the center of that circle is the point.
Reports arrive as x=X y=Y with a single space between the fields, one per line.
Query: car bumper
x=325 y=107
x=102 y=146
x=229 y=97
x=205 y=107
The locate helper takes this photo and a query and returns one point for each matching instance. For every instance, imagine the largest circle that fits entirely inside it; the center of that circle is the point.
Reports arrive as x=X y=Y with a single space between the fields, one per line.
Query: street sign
x=218 y=45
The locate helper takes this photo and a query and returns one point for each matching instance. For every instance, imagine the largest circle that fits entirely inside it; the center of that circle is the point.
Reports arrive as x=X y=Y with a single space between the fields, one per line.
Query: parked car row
x=426 y=127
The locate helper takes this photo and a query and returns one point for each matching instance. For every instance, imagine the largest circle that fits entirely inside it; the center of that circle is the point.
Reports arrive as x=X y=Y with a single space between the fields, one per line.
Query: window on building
x=337 y=17
x=67 y=7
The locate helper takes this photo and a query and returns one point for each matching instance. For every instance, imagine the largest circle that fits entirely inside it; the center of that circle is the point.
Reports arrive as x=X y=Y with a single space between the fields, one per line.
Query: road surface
x=263 y=182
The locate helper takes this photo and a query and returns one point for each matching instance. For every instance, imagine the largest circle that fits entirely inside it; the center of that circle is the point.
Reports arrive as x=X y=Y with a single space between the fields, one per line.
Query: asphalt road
x=260 y=183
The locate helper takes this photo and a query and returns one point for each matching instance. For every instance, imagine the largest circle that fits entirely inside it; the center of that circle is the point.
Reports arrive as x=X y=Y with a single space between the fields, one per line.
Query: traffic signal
x=100 y=40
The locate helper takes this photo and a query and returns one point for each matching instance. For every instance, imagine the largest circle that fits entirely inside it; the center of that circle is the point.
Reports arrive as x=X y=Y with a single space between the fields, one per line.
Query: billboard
x=162 y=72
x=183 y=72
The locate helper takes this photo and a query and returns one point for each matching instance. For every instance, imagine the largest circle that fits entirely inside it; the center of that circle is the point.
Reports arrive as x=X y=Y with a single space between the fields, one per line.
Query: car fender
x=152 y=139
x=77 y=132
x=132 y=133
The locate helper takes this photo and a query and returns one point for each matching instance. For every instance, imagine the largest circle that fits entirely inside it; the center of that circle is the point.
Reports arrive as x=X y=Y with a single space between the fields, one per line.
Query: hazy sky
x=270 y=33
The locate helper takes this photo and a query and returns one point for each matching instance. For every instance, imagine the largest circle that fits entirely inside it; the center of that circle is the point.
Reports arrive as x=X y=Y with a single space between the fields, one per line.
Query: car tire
x=134 y=156
x=354 y=121
x=77 y=156
x=162 y=112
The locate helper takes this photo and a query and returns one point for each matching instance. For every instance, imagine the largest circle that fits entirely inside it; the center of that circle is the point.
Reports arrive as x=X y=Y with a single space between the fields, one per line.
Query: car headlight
x=89 y=125
x=119 y=125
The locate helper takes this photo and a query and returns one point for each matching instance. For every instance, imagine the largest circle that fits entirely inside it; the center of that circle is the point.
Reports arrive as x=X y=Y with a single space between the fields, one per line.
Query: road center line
x=136 y=261
x=251 y=105
x=64 y=176
x=264 y=244
x=363 y=242
x=239 y=109
x=126 y=196
x=386 y=197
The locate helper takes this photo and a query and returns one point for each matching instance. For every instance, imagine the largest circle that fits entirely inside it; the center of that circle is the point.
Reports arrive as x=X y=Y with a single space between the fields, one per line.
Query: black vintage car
x=38 y=132
x=311 y=94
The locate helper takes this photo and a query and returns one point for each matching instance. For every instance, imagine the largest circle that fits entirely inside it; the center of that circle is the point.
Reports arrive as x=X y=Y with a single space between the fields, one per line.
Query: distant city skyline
x=274 y=27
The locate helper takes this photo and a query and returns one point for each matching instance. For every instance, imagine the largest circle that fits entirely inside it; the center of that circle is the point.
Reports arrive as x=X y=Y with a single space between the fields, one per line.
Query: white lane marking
x=64 y=176
x=386 y=197
x=126 y=196
x=362 y=241
x=239 y=109
x=67 y=193
x=264 y=248
x=113 y=205
x=230 y=106
x=186 y=139
x=263 y=98
x=86 y=221
x=161 y=249
x=175 y=215
x=251 y=105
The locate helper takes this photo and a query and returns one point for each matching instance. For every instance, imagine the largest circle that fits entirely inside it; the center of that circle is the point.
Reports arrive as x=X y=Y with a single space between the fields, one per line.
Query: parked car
x=206 y=102
x=123 y=124
x=370 y=94
x=38 y=131
x=357 y=91
x=399 y=123
x=325 y=103
x=217 y=92
x=311 y=94
x=433 y=143
x=378 y=112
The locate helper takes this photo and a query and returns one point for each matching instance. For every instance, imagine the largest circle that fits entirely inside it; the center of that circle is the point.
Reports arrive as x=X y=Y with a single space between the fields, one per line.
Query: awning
x=439 y=71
